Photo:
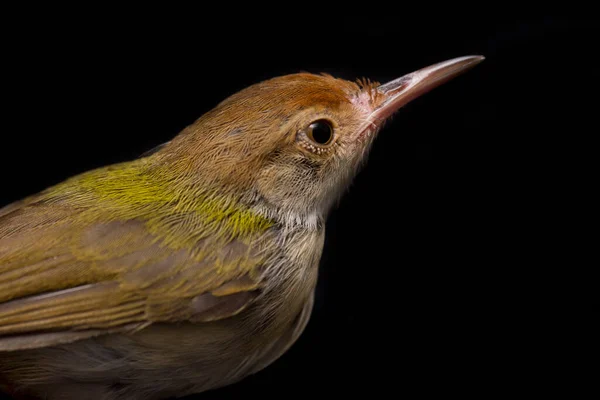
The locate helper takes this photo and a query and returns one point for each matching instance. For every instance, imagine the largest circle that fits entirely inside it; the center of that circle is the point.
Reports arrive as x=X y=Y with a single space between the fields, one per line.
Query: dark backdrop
x=428 y=283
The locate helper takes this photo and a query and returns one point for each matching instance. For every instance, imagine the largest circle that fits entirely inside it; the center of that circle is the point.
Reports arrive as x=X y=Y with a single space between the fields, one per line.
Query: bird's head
x=294 y=143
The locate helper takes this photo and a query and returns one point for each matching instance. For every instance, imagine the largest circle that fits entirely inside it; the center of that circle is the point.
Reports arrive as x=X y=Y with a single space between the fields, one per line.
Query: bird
x=193 y=266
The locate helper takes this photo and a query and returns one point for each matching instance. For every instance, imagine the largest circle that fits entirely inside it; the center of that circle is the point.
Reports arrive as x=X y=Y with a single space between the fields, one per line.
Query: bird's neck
x=290 y=219
x=134 y=189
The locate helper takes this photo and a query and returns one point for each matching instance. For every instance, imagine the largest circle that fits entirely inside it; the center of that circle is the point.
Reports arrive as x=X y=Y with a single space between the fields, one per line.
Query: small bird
x=193 y=266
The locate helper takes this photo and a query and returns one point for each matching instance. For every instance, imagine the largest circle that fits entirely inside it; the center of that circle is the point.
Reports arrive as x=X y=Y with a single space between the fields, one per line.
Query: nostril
x=394 y=86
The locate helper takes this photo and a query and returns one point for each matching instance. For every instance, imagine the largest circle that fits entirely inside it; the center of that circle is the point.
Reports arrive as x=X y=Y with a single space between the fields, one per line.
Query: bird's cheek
x=350 y=148
x=285 y=186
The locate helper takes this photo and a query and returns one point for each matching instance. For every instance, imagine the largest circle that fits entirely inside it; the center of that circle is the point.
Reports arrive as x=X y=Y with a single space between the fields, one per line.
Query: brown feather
x=60 y=276
x=200 y=258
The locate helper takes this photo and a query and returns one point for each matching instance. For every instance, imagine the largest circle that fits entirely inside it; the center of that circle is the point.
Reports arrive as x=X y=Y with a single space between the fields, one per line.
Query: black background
x=429 y=278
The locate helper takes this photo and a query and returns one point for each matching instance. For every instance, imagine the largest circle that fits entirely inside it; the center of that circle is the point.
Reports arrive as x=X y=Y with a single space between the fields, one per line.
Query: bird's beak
x=397 y=93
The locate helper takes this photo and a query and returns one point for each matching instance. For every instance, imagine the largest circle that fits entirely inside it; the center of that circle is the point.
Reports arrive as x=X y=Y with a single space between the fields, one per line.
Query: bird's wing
x=65 y=276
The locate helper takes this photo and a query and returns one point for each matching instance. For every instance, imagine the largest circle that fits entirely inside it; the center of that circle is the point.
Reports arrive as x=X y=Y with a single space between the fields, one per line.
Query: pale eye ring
x=320 y=132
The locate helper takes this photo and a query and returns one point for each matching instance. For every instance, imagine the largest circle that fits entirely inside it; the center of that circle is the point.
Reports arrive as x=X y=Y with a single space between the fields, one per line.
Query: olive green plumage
x=195 y=266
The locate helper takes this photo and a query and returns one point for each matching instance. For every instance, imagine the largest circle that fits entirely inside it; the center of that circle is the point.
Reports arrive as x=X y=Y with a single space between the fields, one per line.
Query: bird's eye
x=320 y=132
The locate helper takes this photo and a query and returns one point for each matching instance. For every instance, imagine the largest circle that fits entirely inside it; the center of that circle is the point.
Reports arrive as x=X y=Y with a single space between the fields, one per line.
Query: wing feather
x=63 y=278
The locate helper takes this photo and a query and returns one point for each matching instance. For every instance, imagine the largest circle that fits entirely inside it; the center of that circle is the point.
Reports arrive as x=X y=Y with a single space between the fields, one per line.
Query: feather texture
x=66 y=266
x=199 y=258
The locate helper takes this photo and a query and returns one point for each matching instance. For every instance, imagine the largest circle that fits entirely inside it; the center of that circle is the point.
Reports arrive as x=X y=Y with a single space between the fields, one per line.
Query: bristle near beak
x=399 y=92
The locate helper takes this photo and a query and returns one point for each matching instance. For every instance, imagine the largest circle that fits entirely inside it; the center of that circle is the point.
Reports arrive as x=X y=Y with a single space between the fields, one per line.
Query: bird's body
x=137 y=237
x=195 y=266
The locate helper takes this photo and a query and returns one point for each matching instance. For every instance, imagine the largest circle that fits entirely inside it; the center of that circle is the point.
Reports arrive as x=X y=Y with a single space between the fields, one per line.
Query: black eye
x=321 y=132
